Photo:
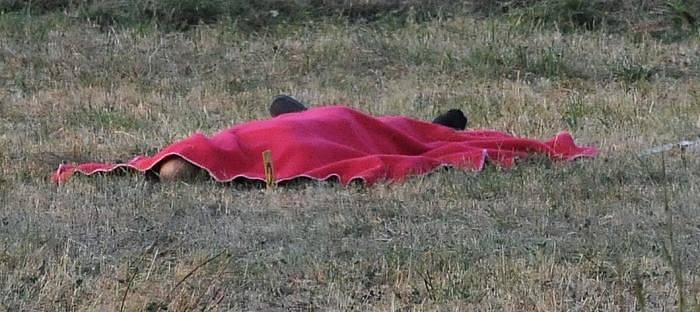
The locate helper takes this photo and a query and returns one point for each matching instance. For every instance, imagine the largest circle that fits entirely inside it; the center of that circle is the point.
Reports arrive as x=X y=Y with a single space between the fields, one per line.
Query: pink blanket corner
x=337 y=141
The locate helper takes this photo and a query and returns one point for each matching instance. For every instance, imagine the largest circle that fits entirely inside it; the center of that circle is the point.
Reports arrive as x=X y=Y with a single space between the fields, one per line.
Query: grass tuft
x=568 y=15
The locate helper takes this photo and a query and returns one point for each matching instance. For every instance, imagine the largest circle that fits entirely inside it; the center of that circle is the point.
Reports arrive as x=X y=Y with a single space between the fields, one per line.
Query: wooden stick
x=269 y=169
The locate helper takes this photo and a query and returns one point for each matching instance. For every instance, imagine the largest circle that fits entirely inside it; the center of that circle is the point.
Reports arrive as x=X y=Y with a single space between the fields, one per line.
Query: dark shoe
x=283 y=104
x=454 y=118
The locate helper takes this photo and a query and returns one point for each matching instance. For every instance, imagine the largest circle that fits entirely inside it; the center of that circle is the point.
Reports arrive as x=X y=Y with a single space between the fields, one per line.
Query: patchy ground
x=615 y=232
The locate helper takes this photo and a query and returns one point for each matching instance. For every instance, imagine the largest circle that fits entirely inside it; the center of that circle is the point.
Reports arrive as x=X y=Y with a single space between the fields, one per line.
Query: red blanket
x=338 y=141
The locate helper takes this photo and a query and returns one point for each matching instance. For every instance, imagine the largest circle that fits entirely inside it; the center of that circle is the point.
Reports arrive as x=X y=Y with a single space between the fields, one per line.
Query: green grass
x=178 y=15
x=615 y=232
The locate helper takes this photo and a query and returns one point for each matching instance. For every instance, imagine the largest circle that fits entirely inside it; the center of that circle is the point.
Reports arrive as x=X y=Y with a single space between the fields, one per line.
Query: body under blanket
x=337 y=141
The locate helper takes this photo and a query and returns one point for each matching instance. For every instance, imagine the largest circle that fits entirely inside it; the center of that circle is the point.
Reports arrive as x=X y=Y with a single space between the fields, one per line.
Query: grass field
x=618 y=232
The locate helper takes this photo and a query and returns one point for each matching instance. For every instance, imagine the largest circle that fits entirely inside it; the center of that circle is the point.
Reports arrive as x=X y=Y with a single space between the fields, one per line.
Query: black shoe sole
x=453 y=118
x=284 y=104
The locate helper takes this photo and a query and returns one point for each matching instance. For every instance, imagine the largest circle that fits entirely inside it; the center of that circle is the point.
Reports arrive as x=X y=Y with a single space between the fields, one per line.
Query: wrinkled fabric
x=337 y=141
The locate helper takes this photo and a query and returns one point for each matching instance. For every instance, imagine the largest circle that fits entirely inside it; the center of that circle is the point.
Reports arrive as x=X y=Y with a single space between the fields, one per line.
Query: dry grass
x=588 y=235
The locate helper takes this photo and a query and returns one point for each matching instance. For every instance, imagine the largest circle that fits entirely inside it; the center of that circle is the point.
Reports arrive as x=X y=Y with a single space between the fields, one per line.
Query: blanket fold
x=337 y=141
